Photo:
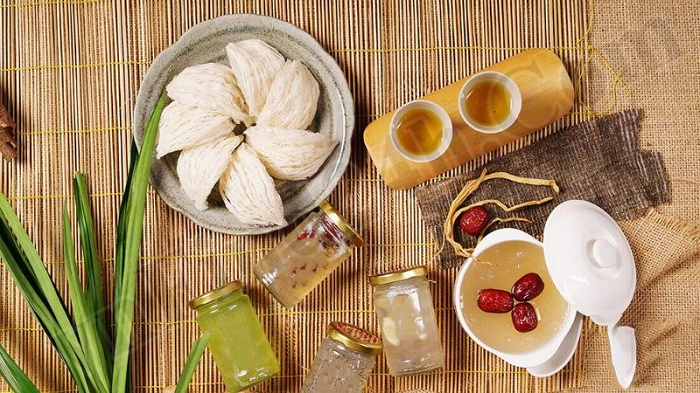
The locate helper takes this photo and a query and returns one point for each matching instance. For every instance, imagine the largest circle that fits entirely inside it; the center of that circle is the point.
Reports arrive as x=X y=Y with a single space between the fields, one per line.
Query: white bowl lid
x=590 y=260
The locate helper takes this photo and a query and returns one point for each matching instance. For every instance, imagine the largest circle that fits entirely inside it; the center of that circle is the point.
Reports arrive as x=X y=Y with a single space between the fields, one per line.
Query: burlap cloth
x=652 y=48
x=598 y=161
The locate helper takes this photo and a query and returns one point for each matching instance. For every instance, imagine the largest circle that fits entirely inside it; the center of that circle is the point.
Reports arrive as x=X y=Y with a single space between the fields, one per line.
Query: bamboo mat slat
x=70 y=72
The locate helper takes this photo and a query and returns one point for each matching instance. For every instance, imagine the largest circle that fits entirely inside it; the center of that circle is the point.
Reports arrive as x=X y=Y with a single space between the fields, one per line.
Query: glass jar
x=344 y=360
x=407 y=321
x=238 y=343
x=307 y=255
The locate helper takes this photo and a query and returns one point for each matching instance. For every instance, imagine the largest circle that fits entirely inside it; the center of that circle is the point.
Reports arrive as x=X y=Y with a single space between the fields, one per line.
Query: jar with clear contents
x=307 y=255
x=344 y=360
x=238 y=343
x=407 y=322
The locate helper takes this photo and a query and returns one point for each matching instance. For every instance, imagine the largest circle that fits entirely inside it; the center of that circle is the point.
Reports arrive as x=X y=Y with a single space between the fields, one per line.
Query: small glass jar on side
x=238 y=343
x=344 y=360
x=407 y=322
x=309 y=254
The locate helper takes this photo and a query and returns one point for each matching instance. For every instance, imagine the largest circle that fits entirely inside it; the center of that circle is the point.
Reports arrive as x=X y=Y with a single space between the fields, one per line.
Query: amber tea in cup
x=421 y=131
x=490 y=102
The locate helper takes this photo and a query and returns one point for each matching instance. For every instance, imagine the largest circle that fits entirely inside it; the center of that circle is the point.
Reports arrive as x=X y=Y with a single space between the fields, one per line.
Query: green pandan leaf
x=14 y=376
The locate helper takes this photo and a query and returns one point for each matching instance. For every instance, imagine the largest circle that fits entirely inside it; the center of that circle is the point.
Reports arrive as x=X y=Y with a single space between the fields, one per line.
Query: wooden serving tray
x=547 y=94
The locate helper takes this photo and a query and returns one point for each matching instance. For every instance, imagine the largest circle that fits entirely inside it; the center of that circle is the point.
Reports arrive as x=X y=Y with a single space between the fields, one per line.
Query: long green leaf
x=14 y=258
x=14 y=376
x=191 y=364
x=131 y=243
x=44 y=283
x=121 y=234
x=87 y=330
x=120 y=249
x=93 y=268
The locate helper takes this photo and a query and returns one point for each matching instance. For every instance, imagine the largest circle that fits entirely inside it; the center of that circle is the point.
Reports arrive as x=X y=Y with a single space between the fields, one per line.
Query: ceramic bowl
x=205 y=43
x=537 y=356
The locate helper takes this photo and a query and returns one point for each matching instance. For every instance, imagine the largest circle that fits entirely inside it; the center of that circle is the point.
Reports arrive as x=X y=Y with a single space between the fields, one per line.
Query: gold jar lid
x=355 y=338
x=397 y=275
x=218 y=293
x=340 y=222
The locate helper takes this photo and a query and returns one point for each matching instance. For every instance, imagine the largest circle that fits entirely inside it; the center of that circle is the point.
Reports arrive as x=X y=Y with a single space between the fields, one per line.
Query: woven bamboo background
x=70 y=72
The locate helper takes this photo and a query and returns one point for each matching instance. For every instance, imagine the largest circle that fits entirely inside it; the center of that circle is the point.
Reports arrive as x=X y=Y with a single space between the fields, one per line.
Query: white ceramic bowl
x=446 y=130
x=515 y=97
x=205 y=43
x=531 y=358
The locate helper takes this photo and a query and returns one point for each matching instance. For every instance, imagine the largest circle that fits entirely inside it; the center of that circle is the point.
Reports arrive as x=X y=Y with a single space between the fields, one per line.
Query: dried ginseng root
x=471 y=186
x=8 y=142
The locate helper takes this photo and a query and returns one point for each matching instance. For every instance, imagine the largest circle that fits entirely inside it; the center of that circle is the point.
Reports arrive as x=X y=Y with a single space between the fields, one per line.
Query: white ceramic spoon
x=562 y=356
x=623 y=349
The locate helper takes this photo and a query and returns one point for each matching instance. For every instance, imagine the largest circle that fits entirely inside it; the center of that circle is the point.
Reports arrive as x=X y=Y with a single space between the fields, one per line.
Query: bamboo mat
x=70 y=72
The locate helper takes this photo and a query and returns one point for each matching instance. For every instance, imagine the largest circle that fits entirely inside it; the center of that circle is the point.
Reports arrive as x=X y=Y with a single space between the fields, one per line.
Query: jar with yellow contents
x=238 y=342
x=407 y=321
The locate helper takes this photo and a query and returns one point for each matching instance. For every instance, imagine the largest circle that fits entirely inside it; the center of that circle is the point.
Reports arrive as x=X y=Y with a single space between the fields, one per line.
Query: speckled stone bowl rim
x=150 y=91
